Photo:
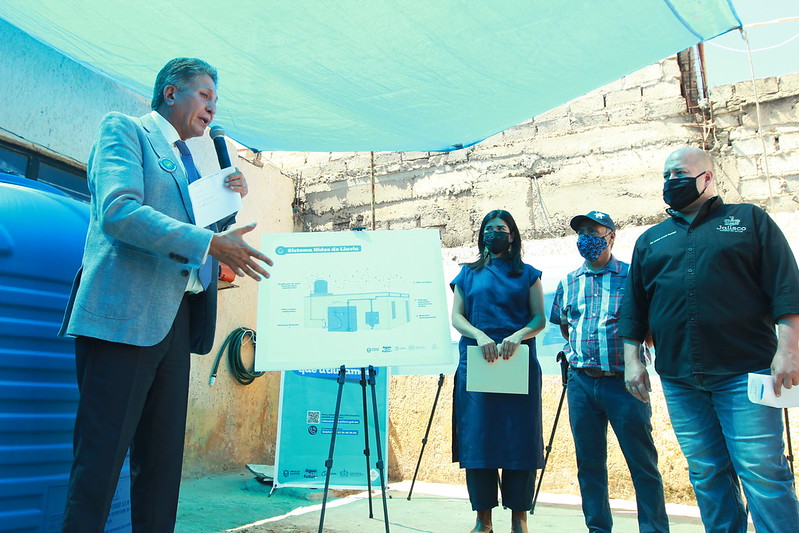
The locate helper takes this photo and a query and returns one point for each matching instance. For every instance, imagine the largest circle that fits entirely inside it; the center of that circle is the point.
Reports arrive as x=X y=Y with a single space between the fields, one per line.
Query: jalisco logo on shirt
x=731 y=225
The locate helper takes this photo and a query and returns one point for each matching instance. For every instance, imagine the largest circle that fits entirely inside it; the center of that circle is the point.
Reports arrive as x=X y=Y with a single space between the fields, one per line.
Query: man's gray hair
x=179 y=72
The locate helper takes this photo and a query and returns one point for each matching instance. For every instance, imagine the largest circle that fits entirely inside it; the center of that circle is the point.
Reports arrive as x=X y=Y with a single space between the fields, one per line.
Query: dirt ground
x=410 y=406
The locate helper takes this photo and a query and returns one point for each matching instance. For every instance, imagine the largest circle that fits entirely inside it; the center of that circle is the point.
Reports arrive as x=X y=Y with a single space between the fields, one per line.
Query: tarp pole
x=372 y=172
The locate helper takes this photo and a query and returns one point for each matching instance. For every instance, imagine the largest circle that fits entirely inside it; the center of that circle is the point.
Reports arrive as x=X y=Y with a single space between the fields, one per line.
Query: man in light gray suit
x=144 y=299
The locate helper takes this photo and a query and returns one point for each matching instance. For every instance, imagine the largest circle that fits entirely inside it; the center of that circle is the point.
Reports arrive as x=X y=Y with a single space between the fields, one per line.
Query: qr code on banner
x=313 y=417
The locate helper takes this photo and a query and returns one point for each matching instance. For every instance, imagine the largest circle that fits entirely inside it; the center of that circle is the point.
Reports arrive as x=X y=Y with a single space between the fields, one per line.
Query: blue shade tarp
x=393 y=75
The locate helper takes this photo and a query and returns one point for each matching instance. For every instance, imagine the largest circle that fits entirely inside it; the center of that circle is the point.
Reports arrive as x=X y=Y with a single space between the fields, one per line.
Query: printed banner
x=305 y=425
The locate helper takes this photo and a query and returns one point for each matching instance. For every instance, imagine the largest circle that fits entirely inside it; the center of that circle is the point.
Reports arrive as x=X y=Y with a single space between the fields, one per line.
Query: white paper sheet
x=761 y=390
x=507 y=376
x=211 y=200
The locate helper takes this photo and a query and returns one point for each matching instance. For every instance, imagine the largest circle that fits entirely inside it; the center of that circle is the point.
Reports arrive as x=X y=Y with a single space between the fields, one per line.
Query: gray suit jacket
x=141 y=242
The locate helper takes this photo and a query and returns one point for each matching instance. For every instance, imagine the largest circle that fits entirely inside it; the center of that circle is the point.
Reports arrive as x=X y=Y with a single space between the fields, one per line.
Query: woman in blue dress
x=498 y=304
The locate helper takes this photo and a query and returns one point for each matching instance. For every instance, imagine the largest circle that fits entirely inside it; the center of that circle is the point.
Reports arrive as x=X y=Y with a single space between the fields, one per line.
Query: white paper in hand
x=761 y=390
x=508 y=376
x=211 y=200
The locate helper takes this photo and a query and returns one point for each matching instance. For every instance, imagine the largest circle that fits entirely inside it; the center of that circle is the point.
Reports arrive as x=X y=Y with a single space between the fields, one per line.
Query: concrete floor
x=236 y=502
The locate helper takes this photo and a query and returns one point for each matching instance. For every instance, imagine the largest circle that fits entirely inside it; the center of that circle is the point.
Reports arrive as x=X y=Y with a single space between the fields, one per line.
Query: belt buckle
x=593 y=372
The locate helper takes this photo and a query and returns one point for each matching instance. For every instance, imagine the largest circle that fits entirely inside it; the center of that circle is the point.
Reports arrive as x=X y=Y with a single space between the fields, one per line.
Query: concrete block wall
x=747 y=156
x=604 y=150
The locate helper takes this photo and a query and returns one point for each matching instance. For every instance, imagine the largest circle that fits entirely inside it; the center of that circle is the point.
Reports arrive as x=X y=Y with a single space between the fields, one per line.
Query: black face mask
x=679 y=193
x=496 y=241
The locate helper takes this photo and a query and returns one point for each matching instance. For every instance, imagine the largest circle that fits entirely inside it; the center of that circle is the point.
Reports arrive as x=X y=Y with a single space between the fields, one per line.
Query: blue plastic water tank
x=42 y=232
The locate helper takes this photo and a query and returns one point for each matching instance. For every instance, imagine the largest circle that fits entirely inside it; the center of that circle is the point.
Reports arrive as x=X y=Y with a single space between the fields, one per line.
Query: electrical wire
x=756 y=50
x=544 y=210
x=745 y=37
x=234 y=341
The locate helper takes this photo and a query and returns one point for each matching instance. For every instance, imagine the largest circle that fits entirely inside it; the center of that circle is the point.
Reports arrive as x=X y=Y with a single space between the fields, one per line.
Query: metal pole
x=342 y=372
x=426 y=433
x=789 y=456
x=372 y=173
x=366 y=440
x=379 y=445
x=564 y=375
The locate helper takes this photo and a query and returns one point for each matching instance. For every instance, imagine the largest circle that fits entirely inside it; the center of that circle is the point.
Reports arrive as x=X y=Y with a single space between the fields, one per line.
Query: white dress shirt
x=171 y=135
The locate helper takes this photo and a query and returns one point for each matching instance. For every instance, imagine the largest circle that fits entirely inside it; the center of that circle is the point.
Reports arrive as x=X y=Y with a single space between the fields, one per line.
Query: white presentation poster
x=353 y=298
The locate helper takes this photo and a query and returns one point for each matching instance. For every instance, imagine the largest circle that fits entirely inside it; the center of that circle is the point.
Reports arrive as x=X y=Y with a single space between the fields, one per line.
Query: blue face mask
x=591 y=247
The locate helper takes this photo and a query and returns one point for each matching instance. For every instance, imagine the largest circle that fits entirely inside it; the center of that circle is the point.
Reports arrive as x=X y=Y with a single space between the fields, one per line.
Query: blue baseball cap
x=594 y=216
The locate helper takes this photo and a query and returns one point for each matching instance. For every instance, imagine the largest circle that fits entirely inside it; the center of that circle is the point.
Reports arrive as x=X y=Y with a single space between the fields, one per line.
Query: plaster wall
x=51 y=103
x=230 y=425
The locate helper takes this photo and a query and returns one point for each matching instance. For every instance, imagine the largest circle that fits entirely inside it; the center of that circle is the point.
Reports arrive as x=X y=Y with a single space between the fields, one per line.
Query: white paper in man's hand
x=508 y=376
x=211 y=200
x=761 y=390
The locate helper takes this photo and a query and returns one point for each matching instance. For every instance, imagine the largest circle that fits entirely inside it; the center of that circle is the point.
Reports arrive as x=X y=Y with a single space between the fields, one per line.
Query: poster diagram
x=345 y=312
x=353 y=298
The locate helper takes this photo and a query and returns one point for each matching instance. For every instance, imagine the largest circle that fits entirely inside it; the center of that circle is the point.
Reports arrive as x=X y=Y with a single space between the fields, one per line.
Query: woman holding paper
x=498 y=305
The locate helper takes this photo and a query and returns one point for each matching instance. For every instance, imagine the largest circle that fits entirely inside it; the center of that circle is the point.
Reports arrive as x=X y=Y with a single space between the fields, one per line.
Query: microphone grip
x=221 y=151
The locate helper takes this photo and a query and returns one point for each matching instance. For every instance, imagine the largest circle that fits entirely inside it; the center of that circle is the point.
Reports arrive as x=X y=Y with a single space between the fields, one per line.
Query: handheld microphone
x=218 y=135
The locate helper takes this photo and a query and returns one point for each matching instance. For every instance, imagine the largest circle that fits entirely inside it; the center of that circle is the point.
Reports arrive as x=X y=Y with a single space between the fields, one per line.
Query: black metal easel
x=379 y=463
x=342 y=373
x=564 y=376
x=366 y=440
x=426 y=433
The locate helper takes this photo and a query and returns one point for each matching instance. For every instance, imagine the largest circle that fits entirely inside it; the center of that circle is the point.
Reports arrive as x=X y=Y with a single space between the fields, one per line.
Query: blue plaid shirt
x=589 y=303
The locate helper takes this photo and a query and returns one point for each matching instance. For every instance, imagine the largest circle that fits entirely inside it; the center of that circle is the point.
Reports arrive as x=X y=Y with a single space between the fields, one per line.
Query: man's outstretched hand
x=230 y=248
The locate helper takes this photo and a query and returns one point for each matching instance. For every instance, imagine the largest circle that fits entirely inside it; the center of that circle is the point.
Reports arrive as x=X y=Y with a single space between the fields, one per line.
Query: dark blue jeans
x=593 y=402
x=725 y=437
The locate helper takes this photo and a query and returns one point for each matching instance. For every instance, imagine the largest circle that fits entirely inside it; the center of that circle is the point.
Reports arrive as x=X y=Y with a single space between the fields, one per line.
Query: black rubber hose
x=233 y=343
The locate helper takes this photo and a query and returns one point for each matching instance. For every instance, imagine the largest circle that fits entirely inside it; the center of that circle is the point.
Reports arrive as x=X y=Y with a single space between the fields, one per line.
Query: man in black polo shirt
x=711 y=282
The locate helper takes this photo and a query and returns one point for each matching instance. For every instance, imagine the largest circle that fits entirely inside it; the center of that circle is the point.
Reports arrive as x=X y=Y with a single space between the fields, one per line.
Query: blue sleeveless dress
x=492 y=430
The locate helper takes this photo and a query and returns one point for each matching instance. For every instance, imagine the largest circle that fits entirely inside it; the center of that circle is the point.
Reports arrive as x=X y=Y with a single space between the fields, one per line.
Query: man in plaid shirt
x=586 y=307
